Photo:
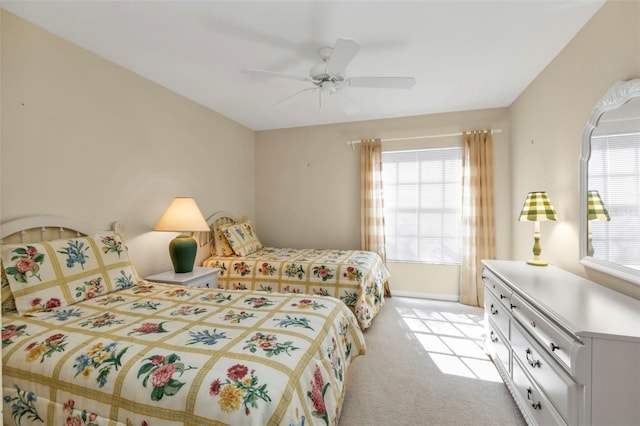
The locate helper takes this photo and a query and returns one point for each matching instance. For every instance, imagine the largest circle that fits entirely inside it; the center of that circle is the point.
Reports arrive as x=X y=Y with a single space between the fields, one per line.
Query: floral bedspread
x=158 y=354
x=356 y=277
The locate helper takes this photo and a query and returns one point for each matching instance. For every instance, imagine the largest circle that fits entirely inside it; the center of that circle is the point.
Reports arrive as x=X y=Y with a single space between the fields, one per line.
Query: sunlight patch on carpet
x=453 y=341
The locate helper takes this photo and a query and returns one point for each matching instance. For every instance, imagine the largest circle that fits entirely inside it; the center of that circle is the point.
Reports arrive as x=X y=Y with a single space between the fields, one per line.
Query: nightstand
x=199 y=277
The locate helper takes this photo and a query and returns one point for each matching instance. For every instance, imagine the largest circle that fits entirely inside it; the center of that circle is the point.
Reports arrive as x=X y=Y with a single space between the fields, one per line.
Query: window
x=614 y=171
x=422 y=204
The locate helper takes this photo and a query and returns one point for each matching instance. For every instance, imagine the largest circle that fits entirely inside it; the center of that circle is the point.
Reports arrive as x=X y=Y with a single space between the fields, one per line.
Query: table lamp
x=595 y=211
x=183 y=215
x=537 y=207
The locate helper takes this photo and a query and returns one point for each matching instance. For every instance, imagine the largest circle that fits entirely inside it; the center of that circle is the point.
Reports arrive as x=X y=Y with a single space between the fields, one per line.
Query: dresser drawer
x=532 y=399
x=497 y=312
x=560 y=344
x=498 y=346
x=497 y=287
x=557 y=385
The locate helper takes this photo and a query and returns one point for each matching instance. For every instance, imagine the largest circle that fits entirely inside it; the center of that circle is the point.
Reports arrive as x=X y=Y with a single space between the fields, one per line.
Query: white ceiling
x=464 y=54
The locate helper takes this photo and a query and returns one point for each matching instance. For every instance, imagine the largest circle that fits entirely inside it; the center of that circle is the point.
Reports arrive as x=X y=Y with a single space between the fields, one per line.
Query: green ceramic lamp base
x=182 y=250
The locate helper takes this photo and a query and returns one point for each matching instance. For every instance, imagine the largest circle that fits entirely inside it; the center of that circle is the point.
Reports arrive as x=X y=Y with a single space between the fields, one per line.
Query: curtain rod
x=444 y=135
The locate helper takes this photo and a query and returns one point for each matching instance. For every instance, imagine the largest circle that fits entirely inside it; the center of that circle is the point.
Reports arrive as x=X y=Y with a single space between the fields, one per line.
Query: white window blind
x=422 y=204
x=614 y=171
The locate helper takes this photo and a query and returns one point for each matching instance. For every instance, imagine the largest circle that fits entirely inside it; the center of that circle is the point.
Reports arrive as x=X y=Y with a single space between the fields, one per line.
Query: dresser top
x=577 y=304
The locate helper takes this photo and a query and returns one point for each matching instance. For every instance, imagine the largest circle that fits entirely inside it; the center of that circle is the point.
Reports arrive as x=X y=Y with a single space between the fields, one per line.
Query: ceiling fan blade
x=343 y=53
x=275 y=74
x=383 y=82
x=289 y=99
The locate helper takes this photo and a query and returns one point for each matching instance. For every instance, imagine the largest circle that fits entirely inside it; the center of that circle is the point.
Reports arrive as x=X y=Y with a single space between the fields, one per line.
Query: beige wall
x=308 y=186
x=85 y=138
x=547 y=121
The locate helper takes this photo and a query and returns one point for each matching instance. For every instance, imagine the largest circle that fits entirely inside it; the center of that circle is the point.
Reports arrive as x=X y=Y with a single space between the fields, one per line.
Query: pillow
x=8 y=302
x=242 y=238
x=51 y=274
x=221 y=244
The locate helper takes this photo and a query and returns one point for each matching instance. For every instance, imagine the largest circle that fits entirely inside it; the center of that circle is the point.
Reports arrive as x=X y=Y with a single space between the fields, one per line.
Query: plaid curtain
x=478 y=235
x=371 y=200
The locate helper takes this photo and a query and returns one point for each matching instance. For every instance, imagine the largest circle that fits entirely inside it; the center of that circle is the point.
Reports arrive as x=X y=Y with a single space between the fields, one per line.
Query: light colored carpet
x=425 y=366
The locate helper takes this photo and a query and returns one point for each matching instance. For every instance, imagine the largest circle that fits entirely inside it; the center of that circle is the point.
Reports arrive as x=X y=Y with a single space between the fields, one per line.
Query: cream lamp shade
x=537 y=207
x=182 y=215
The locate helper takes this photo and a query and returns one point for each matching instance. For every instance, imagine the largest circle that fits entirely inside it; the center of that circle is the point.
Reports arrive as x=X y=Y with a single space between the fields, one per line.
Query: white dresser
x=567 y=348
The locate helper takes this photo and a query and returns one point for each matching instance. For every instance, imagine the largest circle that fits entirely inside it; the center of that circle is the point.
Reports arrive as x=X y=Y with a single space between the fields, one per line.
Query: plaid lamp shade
x=595 y=207
x=537 y=207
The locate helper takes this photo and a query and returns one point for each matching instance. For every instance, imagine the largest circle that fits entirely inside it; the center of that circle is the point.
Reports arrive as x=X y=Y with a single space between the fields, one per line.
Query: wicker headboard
x=222 y=218
x=217 y=219
x=32 y=229
x=41 y=228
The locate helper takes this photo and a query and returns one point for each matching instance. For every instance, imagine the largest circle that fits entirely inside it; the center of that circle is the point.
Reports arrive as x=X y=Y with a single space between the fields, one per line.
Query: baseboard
x=421 y=295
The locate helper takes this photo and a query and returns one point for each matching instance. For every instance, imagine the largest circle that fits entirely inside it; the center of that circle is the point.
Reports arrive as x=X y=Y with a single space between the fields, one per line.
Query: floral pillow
x=47 y=275
x=8 y=302
x=242 y=238
x=221 y=245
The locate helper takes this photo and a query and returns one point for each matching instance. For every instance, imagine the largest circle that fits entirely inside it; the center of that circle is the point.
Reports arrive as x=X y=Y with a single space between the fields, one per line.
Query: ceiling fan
x=328 y=76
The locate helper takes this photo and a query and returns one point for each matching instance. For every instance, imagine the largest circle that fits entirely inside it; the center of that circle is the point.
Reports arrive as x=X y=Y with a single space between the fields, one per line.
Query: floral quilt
x=159 y=354
x=357 y=277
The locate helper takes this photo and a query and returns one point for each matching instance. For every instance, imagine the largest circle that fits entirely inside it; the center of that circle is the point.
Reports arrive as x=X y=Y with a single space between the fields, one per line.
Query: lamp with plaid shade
x=537 y=207
x=595 y=211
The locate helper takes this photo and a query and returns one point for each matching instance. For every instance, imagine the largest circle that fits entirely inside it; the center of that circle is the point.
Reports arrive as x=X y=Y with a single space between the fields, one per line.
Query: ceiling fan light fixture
x=329 y=87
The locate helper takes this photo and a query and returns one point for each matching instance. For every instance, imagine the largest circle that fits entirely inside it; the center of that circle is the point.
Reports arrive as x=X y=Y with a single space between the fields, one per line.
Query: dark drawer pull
x=502 y=296
x=554 y=347
x=493 y=310
x=533 y=363
x=513 y=306
x=535 y=405
x=493 y=339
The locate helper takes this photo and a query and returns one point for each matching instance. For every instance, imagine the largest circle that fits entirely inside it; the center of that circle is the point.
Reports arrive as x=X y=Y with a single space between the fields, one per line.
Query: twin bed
x=85 y=341
x=358 y=278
